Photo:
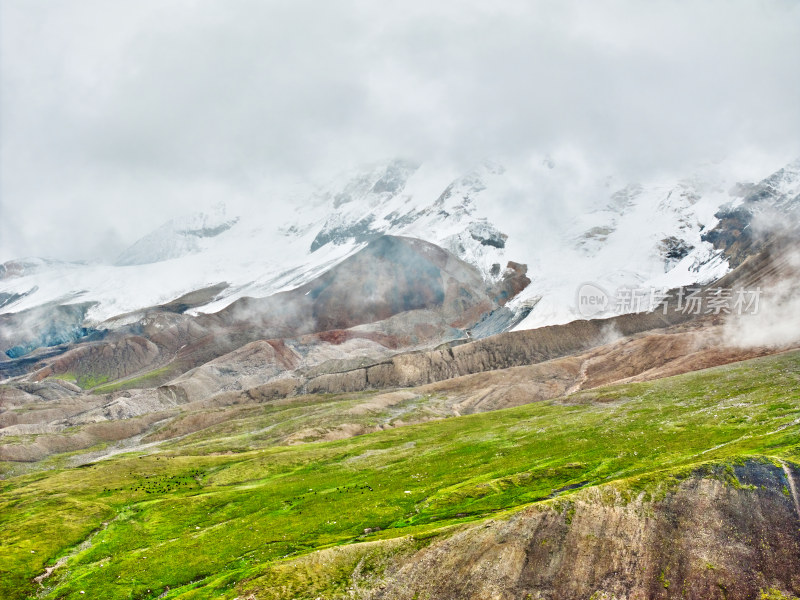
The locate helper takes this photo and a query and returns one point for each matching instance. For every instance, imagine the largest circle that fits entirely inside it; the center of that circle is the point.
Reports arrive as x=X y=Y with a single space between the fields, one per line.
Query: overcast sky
x=116 y=115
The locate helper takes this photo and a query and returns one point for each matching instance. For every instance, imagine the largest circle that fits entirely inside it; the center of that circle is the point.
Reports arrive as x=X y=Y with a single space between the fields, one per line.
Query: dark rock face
x=487 y=235
x=194 y=299
x=498 y=321
x=515 y=279
x=708 y=538
x=208 y=232
x=6 y=298
x=359 y=232
x=673 y=250
x=765 y=213
x=733 y=235
x=470 y=184
x=741 y=232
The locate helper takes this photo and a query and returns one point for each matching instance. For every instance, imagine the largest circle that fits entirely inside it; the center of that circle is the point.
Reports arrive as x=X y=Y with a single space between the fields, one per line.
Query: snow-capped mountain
x=257 y=254
x=650 y=233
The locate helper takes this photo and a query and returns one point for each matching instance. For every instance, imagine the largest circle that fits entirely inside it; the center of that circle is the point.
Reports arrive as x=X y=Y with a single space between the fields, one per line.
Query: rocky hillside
x=438 y=296
x=703 y=538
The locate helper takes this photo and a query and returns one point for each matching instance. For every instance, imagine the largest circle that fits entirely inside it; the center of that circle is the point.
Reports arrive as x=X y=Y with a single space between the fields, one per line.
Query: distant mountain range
x=652 y=234
x=287 y=404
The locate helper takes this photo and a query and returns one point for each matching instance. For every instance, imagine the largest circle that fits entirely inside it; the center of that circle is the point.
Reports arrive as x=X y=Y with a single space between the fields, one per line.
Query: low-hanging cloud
x=775 y=322
x=119 y=115
x=775 y=325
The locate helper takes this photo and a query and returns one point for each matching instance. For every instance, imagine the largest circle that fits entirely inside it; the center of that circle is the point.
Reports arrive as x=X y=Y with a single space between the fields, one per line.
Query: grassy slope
x=302 y=419
x=200 y=522
x=136 y=381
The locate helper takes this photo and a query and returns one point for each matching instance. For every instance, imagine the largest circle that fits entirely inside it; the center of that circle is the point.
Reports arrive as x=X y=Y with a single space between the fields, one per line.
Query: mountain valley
x=405 y=398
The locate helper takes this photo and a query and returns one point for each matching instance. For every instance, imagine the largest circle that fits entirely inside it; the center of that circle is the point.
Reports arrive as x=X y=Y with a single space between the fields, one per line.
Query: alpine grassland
x=224 y=512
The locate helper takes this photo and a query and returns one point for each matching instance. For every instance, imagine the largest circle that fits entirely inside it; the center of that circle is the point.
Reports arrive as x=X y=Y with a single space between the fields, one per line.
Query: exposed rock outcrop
x=705 y=539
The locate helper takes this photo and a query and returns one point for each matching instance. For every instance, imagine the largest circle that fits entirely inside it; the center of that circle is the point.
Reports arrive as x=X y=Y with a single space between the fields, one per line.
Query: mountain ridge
x=463 y=218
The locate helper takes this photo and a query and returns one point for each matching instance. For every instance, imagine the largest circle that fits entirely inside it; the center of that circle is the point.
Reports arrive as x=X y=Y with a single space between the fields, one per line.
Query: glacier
x=623 y=234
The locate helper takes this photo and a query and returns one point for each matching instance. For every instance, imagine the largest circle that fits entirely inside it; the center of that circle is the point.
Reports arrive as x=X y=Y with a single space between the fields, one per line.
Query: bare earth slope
x=54 y=416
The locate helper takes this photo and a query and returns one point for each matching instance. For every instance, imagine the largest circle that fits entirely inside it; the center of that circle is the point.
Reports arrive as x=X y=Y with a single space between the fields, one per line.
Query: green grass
x=199 y=521
x=83 y=380
x=70 y=377
x=100 y=383
x=141 y=381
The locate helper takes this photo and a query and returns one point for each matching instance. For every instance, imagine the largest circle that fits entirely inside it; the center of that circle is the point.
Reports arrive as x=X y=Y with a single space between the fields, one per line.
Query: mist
x=775 y=325
x=118 y=116
x=775 y=320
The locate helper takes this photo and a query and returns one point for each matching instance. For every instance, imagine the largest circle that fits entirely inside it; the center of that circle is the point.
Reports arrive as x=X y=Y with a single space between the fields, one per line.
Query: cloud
x=775 y=324
x=119 y=115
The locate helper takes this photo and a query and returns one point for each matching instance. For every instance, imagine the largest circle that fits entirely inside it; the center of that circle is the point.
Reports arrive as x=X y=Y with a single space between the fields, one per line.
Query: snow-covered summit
x=628 y=234
x=649 y=235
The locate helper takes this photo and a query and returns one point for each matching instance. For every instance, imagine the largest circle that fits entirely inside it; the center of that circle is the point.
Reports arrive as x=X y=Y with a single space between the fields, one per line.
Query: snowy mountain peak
x=397 y=198
x=649 y=233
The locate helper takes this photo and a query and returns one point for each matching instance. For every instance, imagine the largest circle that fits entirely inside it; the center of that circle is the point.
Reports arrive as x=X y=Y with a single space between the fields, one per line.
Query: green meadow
x=223 y=512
